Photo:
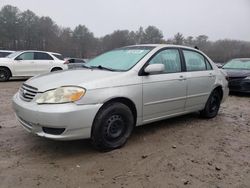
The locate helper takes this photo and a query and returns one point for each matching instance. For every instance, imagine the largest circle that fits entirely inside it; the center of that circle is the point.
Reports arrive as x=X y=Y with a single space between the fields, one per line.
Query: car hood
x=232 y=73
x=87 y=78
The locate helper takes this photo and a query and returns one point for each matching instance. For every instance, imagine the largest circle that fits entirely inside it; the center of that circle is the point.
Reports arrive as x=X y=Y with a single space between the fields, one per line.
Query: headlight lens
x=247 y=78
x=61 y=95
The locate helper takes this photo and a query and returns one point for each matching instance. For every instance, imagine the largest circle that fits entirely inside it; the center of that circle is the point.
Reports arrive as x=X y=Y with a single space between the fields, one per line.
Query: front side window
x=170 y=58
x=26 y=56
x=121 y=59
x=194 y=61
x=42 y=56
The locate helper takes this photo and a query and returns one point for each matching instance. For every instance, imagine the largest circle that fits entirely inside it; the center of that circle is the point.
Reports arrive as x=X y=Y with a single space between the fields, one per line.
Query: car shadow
x=239 y=94
x=22 y=79
x=64 y=149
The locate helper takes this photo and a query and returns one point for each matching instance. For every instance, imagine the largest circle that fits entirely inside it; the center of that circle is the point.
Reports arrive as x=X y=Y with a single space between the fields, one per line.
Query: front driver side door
x=24 y=64
x=164 y=94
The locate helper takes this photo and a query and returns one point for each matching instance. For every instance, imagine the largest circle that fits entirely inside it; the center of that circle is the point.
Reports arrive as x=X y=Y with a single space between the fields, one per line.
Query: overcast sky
x=218 y=19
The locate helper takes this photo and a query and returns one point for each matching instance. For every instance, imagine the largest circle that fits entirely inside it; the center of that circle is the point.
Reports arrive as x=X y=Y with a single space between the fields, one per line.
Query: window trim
x=143 y=73
x=205 y=59
x=43 y=59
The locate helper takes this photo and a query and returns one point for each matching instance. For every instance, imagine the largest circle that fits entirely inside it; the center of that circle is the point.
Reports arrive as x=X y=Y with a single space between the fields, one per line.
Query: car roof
x=40 y=51
x=7 y=51
x=164 y=45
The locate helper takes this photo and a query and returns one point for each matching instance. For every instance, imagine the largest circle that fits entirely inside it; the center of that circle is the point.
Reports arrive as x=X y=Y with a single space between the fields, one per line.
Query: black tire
x=112 y=127
x=4 y=74
x=212 y=106
x=56 y=69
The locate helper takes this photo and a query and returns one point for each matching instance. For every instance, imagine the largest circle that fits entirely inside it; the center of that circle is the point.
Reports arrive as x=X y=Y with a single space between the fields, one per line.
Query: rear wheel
x=4 y=74
x=212 y=106
x=56 y=69
x=112 y=127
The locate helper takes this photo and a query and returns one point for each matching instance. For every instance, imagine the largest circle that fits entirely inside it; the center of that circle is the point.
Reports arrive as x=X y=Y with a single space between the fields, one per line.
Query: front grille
x=27 y=93
x=53 y=131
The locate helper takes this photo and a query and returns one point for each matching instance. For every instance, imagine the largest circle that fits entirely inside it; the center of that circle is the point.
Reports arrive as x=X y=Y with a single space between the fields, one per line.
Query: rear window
x=4 y=54
x=58 y=56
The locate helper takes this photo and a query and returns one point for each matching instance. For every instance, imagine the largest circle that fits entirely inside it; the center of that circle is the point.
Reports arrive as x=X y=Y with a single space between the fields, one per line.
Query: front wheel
x=112 y=127
x=212 y=106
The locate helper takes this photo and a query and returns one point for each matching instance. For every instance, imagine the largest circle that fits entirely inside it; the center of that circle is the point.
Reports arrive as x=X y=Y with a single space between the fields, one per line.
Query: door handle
x=181 y=78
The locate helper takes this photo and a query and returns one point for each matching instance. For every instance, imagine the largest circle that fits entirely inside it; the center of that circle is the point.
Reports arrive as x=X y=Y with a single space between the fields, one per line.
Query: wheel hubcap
x=115 y=127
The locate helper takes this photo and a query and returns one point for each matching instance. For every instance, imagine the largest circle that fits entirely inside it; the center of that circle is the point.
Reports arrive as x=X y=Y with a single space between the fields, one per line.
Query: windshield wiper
x=84 y=66
x=103 y=68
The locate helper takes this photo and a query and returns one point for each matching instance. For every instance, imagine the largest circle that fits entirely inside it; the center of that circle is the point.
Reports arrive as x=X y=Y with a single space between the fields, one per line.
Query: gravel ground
x=182 y=152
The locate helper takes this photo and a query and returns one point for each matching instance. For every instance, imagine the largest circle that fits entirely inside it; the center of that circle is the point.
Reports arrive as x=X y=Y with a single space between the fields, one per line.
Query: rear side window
x=170 y=58
x=26 y=56
x=209 y=67
x=58 y=56
x=42 y=56
x=195 y=61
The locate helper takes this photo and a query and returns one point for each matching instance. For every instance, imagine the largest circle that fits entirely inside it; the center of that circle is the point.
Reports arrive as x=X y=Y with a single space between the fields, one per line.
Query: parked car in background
x=4 y=53
x=74 y=63
x=30 y=63
x=119 y=90
x=238 y=71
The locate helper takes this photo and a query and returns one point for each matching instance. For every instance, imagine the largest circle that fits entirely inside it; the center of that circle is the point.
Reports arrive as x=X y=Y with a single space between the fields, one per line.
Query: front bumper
x=239 y=85
x=75 y=120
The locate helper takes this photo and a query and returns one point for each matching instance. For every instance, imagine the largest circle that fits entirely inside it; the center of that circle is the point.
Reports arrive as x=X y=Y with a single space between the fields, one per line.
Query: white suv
x=30 y=63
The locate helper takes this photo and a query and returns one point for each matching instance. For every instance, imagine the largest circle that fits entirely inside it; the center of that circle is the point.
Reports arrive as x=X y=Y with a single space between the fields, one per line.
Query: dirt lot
x=181 y=152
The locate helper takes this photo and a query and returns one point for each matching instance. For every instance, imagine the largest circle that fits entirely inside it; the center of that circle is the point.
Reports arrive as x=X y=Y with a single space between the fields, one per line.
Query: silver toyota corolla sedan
x=119 y=90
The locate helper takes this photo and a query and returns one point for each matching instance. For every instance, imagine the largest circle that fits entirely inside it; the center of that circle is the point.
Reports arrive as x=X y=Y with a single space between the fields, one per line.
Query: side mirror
x=154 y=68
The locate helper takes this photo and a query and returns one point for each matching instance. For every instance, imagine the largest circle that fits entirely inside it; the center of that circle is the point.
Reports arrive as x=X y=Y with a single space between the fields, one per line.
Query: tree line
x=24 y=30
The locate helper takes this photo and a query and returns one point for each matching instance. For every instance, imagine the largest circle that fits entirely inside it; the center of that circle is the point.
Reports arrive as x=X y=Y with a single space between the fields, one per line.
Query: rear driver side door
x=43 y=62
x=200 y=79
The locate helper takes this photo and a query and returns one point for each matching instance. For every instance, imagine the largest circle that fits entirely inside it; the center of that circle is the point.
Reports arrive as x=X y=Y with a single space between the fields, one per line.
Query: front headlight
x=61 y=95
x=247 y=78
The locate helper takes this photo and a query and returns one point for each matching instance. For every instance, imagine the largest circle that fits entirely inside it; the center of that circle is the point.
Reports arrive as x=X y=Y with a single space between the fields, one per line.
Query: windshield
x=121 y=59
x=13 y=54
x=238 y=64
